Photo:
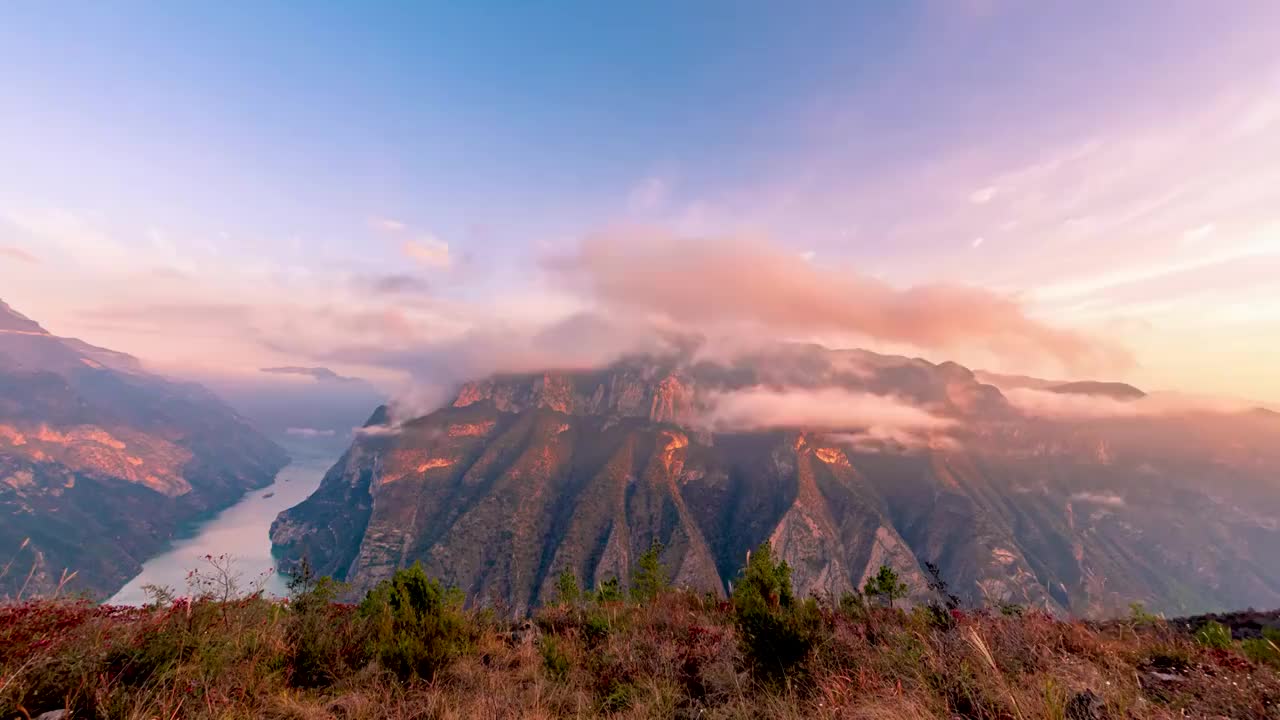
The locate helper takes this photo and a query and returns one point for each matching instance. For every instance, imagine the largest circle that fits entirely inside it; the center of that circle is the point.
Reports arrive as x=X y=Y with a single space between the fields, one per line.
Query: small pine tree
x=777 y=629
x=887 y=585
x=650 y=579
x=567 y=590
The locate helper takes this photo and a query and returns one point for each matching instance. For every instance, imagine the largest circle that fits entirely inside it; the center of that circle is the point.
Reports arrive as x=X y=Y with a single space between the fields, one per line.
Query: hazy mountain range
x=101 y=461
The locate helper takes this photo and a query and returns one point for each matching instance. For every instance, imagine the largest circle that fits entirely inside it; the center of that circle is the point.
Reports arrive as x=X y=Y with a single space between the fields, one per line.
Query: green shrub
x=617 y=699
x=650 y=579
x=1139 y=616
x=1214 y=635
x=553 y=658
x=853 y=605
x=415 y=624
x=596 y=628
x=777 y=630
x=1262 y=651
x=609 y=591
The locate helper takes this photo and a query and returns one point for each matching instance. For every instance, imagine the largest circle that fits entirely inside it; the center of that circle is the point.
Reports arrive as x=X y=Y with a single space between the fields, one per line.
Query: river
x=240 y=531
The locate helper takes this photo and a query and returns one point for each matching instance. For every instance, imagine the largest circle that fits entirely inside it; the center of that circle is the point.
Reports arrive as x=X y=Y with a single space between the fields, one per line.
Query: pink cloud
x=752 y=284
x=428 y=251
x=1074 y=406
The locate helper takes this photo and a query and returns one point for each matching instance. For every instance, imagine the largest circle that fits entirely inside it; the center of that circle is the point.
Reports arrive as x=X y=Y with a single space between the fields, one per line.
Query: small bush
x=416 y=626
x=609 y=591
x=596 y=628
x=554 y=660
x=1214 y=635
x=1262 y=651
x=1138 y=614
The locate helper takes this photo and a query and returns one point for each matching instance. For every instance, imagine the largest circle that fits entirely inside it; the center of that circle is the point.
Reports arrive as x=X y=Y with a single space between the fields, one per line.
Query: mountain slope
x=524 y=476
x=100 y=462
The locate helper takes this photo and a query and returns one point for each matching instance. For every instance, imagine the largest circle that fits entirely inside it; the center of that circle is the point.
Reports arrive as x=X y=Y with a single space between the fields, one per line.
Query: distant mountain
x=523 y=476
x=101 y=462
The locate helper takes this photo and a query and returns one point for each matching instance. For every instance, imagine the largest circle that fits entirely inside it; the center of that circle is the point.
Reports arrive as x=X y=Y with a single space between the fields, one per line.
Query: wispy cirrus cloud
x=16 y=253
x=386 y=224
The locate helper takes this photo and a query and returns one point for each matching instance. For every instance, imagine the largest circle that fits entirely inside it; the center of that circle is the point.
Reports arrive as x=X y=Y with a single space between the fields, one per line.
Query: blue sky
x=274 y=156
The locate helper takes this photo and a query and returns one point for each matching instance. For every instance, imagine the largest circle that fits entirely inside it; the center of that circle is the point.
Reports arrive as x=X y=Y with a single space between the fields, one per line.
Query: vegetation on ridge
x=410 y=649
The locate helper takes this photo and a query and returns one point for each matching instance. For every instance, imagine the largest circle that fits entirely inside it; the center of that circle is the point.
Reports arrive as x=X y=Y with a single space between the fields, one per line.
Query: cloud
x=1075 y=406
x=865 y=418
x=648 y=195
x=438 y=364
x=393 y=284
x=753 y=285
x=320 y=374
x=982 y=196
x=379 y=430
x=428 y=251
x=1107 y=499
x=17 y=253
x=309 y=432
x=386 y=224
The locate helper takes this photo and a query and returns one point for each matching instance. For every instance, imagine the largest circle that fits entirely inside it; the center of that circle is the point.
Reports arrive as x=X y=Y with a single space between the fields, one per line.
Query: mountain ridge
x=522 y=476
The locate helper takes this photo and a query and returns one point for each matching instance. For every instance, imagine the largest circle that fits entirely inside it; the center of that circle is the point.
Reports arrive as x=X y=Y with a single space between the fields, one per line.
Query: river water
x=241 y=531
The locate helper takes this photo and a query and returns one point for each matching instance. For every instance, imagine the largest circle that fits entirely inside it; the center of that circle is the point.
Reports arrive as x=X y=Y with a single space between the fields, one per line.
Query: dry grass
x=677 y=657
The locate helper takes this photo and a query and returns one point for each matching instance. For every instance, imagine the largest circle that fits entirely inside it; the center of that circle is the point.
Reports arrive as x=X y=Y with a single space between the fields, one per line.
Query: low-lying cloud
x=1076 y=406
x=863 y=418
x=309 y=432
x=1096 y=498
x=319 y=374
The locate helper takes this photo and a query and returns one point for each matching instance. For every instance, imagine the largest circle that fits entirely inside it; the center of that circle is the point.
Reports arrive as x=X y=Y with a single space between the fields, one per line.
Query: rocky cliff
x=523 y=476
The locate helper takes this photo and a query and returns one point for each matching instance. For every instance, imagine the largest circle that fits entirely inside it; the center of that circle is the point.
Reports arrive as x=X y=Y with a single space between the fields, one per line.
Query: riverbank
x=240 y=532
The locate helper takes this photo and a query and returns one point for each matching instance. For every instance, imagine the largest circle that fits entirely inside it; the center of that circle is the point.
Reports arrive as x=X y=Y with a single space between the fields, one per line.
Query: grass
x=675 y=655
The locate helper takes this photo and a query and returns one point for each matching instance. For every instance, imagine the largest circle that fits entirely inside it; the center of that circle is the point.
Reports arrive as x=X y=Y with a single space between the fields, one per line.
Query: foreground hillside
x=409 y=650
x=101 y=462
x=1078 y=498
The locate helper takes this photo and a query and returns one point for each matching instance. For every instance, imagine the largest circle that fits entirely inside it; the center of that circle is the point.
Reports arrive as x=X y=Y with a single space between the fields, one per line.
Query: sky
x=419 y=192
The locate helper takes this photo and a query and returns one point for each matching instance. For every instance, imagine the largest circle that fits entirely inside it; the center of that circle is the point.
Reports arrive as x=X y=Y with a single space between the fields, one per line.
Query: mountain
x=523 y=476
x=101 y=462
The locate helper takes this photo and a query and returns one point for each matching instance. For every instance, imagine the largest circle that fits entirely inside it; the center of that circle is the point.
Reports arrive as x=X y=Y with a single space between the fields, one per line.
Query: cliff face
x=100 y=462
x=523 y=476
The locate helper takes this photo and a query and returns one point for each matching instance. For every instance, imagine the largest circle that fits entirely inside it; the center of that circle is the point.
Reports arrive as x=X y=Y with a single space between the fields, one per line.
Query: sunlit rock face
x=523 y=476
x=101 y=462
